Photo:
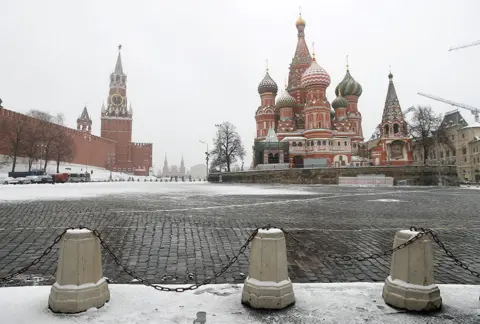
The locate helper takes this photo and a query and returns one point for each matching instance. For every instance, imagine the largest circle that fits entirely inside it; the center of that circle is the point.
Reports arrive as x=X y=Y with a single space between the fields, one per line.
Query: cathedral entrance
x=273 y=158
x=298 y=161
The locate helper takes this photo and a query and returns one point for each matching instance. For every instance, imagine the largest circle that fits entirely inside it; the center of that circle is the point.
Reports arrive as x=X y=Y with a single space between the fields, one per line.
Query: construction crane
x=475 y=111
x=463 y=46
x=406 y=111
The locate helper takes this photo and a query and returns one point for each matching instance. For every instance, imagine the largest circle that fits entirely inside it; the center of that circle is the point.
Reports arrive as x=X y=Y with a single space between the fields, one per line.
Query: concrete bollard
x=410 y=284
x=79 y=284
x=268 y=285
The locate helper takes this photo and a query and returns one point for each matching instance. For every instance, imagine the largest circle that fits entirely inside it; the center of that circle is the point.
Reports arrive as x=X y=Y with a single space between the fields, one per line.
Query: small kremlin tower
x=84 y=122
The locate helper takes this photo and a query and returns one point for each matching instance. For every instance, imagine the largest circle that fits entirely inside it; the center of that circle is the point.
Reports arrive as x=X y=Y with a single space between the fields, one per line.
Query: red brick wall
x=94 y=152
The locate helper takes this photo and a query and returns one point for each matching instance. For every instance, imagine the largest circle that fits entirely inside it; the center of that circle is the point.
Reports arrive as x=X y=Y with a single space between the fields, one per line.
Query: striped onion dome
x=286 y=100
x=315 y=75
x=267 y=85
x=339 y=102
x=348 y=86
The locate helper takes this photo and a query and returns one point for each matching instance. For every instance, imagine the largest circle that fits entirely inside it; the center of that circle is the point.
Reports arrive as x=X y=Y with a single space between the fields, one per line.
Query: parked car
x=22 y=180
x=61 y=177
x=34 y=178
x=8 y=180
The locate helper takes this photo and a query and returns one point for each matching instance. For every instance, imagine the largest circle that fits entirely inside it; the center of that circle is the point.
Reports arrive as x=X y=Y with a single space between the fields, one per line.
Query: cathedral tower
x=300 y=63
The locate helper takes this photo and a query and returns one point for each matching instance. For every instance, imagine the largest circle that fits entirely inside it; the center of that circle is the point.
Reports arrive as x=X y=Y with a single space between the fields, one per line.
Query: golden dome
x=300 y=21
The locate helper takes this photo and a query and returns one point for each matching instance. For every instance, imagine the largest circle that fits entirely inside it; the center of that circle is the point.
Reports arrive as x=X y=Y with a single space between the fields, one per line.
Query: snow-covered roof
x=474 y=125
x=271 y=136
x=293 y=138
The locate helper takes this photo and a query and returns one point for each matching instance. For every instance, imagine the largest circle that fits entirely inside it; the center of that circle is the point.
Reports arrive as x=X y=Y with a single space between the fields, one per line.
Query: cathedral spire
x=118 y=65
x=301 y=59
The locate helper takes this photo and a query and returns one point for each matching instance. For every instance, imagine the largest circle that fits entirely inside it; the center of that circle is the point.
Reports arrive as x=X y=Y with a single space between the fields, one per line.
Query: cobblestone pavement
x=187 y=235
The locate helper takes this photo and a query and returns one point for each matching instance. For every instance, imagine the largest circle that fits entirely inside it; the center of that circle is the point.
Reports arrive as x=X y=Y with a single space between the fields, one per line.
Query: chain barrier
x=451 y=256
x=36 y=260
x=421 y=233
x=180 y=289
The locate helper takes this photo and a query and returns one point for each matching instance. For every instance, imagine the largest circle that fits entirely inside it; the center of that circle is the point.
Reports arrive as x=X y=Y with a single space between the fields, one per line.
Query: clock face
x=117 y=100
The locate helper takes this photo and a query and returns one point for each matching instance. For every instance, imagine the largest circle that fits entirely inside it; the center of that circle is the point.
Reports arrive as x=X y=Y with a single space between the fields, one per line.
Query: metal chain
x=450 y=255
x=180 y=289
x=373 y=256
x=36 y=260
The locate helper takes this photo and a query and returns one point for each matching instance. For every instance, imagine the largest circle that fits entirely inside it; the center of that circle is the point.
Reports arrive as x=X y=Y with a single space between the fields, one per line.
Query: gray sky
x=191 y=64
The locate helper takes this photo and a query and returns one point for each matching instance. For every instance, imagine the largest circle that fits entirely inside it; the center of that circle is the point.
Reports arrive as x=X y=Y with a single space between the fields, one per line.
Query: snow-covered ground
x=61 y=191
x=351 y=303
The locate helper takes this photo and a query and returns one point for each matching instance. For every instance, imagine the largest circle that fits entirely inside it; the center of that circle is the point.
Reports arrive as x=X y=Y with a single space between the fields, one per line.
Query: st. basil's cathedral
x=301 y=128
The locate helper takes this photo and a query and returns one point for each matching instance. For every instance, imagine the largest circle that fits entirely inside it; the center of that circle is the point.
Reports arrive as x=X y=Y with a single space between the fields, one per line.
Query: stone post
x=268 y=285
x=410 y=284
x=79 y=284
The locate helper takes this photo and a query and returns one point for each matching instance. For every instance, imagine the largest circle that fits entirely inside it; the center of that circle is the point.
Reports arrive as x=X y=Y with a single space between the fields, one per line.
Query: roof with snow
x=271 y=136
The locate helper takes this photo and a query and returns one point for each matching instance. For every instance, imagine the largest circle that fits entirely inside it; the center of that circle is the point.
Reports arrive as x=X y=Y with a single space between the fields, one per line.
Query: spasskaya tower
x=117 y=126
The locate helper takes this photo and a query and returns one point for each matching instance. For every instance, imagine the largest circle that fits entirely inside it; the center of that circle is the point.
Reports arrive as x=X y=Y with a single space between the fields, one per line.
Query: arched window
x=338 y=143
x=387 y=128
x=294 y=144
x=319 y=143
x=395 y=128
x=324 y=143
x=300 y=144
x=345 y=143
x=319 y=124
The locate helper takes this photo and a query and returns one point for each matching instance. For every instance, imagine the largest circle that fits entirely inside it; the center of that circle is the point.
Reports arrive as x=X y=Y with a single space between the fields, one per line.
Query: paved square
x=182 y=232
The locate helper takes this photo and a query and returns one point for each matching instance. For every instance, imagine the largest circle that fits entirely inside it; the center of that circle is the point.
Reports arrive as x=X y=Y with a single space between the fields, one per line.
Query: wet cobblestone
x=187 y=237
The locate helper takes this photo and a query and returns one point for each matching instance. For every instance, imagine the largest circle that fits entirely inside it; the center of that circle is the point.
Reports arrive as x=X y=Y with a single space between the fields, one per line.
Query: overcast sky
x=192 y=64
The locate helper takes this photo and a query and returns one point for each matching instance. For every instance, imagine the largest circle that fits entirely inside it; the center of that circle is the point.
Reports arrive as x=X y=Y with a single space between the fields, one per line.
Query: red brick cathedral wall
x=93 y=152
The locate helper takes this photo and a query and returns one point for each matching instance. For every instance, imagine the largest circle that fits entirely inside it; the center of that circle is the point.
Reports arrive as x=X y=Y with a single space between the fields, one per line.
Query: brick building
x=114 y=148
x=301 y=128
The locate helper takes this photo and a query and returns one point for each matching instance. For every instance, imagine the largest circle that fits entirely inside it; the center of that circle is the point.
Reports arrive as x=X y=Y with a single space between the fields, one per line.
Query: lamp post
x=87 y=137
x=220 y=158
x=207 y=155
x=111 y=157
x=42 y=146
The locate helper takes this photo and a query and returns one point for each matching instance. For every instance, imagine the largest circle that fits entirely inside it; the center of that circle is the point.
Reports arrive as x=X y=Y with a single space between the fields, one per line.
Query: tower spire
x=118 y=65
x=347 y=63
x=313 y=51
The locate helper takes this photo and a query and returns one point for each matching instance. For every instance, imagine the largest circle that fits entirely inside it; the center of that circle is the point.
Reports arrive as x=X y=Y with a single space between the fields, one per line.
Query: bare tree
x=12 y=133
x=228 y=146
x=63 y=149
x=426 y=131
x=31 y=147
x=47 y=132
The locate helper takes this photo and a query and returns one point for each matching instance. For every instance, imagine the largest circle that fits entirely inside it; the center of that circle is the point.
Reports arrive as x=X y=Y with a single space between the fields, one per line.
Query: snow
x=270 y=231
x=407 y=285
x=386 y=200
x=348 y=303
x=78 y=231
x=261 y=283
x=78 y=287
x=61 y=191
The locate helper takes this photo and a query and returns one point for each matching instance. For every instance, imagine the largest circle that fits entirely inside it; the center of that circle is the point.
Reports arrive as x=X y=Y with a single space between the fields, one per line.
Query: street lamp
x=42 y=146
x=87 y=137
x=111 y=158
x=207 y=154
x=220 y=158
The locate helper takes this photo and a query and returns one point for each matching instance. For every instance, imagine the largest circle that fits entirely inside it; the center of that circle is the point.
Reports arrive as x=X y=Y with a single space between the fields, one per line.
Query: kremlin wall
x=114 y=149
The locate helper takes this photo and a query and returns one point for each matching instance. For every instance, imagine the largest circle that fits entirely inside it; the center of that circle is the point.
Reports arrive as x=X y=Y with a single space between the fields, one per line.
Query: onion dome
x=315 y=75
x=267 y=85
x=339 y=102
x=300 y=22
x=286 y=100
x=348 y=86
